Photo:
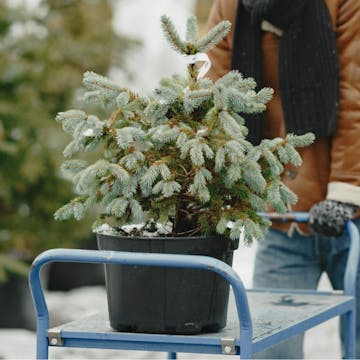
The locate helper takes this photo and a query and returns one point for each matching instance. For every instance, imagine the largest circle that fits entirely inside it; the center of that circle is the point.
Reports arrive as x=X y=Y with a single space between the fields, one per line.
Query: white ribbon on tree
x=193 y=59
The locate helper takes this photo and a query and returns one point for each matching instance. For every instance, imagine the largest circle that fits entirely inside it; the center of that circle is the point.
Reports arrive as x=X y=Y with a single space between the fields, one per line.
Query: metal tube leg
x=350 y=334
x=172 y=355
x=42 y=345
x=42 y=349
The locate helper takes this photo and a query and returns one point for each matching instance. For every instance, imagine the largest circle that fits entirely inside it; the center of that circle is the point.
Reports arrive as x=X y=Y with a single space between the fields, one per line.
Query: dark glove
x=329 y=217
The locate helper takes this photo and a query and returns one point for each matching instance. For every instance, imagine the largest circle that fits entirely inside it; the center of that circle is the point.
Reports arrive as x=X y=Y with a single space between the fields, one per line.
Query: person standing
x=308 y=51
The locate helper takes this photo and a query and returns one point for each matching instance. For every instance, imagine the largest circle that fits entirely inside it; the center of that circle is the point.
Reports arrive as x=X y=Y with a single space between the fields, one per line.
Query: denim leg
x=336 y=270
x=286 y=262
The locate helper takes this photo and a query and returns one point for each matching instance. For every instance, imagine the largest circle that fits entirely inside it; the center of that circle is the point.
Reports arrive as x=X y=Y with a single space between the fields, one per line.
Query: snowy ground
x=321 y=342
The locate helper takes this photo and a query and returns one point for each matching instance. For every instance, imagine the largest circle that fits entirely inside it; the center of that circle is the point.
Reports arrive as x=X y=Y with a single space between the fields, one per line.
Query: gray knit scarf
x=308 y=62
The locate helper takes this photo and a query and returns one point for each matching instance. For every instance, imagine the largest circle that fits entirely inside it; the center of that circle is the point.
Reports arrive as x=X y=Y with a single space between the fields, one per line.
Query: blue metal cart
x=257 y=318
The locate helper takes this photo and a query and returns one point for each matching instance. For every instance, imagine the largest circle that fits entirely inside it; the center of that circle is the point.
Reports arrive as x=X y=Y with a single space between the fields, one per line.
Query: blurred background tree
x=202 y=10
x=43 y=55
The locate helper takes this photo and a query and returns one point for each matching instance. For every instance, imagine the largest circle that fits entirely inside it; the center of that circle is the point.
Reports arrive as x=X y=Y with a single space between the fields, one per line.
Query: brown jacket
x=331 y=167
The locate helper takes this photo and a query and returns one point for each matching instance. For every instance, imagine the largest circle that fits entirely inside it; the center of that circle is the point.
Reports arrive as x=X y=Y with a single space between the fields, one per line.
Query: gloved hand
x=329 y=217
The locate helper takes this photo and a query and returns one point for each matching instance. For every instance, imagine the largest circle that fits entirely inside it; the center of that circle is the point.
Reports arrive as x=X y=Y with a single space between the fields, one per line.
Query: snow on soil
x=320 y=342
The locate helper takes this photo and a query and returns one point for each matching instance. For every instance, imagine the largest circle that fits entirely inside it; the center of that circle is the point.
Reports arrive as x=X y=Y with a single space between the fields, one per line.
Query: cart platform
x=275 y=317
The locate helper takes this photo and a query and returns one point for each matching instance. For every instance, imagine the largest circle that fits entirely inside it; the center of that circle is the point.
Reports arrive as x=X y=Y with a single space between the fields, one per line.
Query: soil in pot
x=167 y=300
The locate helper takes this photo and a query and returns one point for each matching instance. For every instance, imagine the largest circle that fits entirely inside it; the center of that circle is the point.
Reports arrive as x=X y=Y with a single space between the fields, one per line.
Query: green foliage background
x=42 y=59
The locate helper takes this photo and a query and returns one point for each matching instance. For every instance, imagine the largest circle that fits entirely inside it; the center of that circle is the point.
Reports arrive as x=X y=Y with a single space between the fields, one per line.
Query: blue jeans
x=297 y=262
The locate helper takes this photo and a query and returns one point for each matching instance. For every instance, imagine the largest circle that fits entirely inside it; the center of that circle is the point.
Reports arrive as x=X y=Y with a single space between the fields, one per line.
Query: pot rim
x=172 y=238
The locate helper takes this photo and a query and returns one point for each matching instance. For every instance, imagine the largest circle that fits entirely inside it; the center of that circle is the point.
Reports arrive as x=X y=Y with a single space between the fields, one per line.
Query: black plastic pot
x=167 y=300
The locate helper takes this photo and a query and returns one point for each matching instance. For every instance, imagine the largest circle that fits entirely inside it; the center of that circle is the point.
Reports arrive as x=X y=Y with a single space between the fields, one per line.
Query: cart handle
x=145 y=259
x=288 y=217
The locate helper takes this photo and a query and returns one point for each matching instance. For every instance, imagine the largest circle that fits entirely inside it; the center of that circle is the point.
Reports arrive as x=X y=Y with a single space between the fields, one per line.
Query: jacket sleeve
x=220 y=55
x=344 y=182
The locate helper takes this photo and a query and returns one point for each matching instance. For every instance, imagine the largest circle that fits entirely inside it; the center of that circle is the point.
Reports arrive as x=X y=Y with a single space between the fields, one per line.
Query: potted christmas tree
x=174 y=172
